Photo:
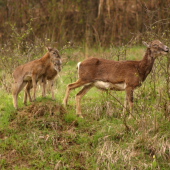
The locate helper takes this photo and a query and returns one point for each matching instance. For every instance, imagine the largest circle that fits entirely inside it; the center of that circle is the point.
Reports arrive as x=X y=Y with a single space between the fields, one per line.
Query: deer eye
x=53 y=52
x=155 y=45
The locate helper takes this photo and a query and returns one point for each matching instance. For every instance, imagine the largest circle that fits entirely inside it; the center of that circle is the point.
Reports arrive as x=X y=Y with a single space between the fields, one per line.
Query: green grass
x=44 y=135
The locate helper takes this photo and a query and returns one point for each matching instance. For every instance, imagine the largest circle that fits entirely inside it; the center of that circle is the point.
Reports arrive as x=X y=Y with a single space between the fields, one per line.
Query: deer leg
x=129 y=93
x=43 y=83
x=70 y=87
x=14 y=95
x=51 y=83
x=27 y=92
x=79 y=95
x=34 y=83
x=18 y=86
x=25 y=95
x=125 y=103
x=30 y=86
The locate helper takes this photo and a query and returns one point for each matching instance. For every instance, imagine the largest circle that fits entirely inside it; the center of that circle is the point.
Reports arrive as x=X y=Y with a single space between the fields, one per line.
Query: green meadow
x=45 y=135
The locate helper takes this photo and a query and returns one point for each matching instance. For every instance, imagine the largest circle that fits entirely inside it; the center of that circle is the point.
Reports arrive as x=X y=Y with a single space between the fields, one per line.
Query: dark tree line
x=91 y=22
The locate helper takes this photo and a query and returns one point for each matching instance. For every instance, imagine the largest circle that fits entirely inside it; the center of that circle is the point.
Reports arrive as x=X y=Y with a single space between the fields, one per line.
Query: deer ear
x=48 y=48
x=146 y=44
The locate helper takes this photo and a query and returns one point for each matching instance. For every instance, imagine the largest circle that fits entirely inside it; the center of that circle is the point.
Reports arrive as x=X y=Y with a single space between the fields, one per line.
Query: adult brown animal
x=115 y=75
x=32 y=71
x=51 y=72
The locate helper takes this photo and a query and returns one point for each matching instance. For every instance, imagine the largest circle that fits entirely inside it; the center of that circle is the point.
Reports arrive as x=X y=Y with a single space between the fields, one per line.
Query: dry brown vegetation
x=97 y=22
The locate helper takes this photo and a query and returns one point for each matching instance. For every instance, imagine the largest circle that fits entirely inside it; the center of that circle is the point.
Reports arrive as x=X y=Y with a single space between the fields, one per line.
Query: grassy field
x=45 y=135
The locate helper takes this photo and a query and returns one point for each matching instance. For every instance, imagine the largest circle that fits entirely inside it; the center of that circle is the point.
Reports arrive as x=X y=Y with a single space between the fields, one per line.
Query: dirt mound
x=37 y=111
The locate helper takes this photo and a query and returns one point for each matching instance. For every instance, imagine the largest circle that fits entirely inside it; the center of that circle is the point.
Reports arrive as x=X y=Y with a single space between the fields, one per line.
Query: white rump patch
x=108 y=85
x=78 y=65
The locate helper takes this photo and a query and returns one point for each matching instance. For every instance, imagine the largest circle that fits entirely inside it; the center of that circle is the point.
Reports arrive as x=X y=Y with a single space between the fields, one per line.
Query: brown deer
x=115 y=75
x=51 y=72
x=31 y=71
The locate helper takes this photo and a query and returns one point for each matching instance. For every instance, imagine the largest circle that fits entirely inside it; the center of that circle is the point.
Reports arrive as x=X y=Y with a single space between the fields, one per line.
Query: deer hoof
x=80 y=116
x=16 y=108
x=64 y=104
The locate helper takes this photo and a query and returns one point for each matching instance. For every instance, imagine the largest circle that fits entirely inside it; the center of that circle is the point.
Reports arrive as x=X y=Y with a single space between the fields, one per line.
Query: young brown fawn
x=32 y=71
x=51 y=72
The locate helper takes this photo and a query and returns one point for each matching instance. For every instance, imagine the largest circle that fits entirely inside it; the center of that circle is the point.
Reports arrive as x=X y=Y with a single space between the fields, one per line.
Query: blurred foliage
x=97 y=22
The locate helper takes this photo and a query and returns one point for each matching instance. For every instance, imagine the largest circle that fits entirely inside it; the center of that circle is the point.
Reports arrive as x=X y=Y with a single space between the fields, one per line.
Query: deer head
x=53 y=53
x=57 y=64
x=157 y=48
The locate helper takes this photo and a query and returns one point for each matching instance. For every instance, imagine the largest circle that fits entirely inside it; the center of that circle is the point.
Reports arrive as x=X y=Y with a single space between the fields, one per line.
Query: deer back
x=93 y=69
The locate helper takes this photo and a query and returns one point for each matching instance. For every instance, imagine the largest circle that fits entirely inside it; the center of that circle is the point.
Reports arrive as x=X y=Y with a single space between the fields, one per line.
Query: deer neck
x=146 y=64
x=46 y=59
